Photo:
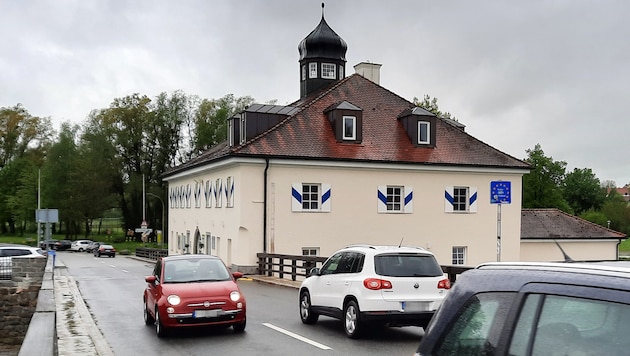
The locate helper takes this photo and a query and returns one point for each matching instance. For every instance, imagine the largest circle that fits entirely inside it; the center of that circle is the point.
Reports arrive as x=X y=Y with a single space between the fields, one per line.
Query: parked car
x=80 y=245
x=387 y=285
x=191 y=291
x=534 y=309
x=62 y=245
x=105 y=250
x=10 y=251
x=47 y=244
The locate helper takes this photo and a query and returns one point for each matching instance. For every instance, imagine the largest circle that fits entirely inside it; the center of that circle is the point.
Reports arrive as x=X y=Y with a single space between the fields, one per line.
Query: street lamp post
x=163 y=211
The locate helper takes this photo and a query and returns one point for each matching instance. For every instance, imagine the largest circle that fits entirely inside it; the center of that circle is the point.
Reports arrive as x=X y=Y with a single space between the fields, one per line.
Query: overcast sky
x=516 y=73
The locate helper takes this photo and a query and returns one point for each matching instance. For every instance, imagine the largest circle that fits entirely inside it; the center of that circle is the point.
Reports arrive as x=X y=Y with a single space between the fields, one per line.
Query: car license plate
x=206 y=313
x=414 y=306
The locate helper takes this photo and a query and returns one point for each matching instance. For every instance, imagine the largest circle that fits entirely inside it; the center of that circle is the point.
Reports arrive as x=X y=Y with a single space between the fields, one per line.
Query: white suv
x=387 y=285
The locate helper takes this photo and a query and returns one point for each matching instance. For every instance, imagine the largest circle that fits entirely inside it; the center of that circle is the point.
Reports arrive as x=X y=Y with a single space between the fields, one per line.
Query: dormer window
x=346 y=121
x=328 y=71
x=312 y=70
x=243 y=137
x=424 y=132
x=420 y=126
x=349 y=128
x=304 y=72
x=341 y=72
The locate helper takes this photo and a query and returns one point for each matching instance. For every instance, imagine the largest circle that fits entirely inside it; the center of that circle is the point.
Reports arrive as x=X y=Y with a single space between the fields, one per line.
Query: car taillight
x=444 y=284
x=377 y=284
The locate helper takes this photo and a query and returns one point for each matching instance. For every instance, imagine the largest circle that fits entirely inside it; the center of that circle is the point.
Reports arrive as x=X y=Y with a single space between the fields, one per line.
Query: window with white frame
x=328 y=71
x=424 y=132
x=243 y=131
x=349 y=128
x=230 y=133
x=395 y=199
x=304 y=72
x=460 y=199
x=340 y=72
x=310 y=197
x=312 y=70
x=459 y=255
x=310 y=251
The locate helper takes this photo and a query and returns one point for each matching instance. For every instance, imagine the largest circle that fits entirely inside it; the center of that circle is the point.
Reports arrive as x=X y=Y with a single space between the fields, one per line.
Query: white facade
x=232 y=224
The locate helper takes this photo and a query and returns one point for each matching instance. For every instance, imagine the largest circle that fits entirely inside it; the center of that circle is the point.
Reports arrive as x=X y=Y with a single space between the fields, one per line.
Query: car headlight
x=173 y=299
x=235 y=295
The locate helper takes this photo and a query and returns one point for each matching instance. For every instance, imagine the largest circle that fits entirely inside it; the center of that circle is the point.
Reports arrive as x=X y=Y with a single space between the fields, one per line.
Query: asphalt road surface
x=112 y=289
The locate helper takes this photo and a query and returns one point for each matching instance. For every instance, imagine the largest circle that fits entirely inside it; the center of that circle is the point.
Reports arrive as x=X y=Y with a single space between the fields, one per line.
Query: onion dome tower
x=322 y=58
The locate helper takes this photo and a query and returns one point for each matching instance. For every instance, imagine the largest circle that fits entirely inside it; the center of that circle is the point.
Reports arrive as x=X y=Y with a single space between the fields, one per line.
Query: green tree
x=431 y=104
x=582 y=190
x=20 y=133
x=542 y=186
x=210 y=123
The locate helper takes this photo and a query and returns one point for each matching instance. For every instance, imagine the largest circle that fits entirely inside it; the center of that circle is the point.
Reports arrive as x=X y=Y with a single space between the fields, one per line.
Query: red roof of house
x=307 y=134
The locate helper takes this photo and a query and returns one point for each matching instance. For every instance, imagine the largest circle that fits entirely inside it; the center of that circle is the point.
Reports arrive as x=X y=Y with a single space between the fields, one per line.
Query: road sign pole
x=499 y=232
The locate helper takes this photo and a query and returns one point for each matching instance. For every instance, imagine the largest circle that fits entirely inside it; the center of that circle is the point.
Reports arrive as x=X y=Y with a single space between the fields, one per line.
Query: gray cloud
x=515 y=73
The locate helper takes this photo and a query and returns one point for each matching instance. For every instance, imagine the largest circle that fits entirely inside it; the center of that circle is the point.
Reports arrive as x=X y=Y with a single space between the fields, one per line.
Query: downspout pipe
x=265 y=205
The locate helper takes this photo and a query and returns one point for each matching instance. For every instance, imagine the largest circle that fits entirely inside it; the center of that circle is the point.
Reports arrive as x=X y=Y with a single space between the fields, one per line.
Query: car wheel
x=80 y=250
x=148 y=318
x=306 y=312
x=160 y=330
x=352 y=320
x=239 y=327
x=113 y=256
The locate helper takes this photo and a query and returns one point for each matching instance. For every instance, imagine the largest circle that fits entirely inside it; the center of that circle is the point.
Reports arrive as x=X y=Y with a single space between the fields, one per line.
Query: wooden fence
x=151 y=253
x=293 y=266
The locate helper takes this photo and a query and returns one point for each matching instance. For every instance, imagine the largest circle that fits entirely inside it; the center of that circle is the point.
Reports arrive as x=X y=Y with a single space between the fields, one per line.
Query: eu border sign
x=500 y=192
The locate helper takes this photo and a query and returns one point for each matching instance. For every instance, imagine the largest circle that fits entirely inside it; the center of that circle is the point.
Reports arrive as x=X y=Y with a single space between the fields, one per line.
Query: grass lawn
x=31 y=240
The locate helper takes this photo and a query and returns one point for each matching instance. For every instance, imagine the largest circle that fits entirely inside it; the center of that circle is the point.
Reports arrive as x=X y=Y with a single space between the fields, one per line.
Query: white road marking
x=124 y=270
x=299 y=337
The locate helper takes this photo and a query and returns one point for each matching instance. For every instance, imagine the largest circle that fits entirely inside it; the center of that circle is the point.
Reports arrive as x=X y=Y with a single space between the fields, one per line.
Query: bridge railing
x=151 y=253
x=294 y=266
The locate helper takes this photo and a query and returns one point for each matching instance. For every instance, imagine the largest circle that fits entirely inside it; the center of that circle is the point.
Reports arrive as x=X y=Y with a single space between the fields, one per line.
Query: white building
x=349 y=162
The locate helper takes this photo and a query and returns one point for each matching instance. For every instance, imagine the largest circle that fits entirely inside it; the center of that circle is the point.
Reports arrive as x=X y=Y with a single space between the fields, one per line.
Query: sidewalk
x=77 y=333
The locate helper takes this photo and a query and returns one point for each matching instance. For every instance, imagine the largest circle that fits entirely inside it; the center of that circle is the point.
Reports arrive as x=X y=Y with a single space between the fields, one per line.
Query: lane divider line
x=298 y=337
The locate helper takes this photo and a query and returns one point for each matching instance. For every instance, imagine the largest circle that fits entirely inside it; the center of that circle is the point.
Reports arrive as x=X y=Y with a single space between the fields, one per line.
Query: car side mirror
x=150 y=279
x=313 y=272
x=237 y=275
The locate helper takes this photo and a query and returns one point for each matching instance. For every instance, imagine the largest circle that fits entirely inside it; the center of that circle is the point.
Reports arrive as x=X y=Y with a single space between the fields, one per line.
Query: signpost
x=500 y=193
x=144 y=230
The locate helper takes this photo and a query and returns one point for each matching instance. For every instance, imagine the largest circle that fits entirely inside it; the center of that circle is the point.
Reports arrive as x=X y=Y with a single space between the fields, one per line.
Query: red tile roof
x=307 y=134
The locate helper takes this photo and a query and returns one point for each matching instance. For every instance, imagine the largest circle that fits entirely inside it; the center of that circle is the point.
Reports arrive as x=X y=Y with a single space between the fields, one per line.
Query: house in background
x=349 y=162
x=549 y=234
x=624 y=192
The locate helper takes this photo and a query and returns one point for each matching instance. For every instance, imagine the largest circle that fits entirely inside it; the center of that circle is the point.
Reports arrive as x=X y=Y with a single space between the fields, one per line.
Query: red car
x=193 y=290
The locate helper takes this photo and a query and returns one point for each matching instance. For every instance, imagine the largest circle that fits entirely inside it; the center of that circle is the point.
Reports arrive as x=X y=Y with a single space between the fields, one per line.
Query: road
x=112 y=289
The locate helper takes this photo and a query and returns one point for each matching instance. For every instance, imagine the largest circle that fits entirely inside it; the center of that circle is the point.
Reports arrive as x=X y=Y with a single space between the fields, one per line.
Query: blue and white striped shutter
x=408 y=208
x=326 y=197
x=230 y=196
x=208 y=194
x=472 y=200
x=296 y=197
x=382 y=199
x=448 y=199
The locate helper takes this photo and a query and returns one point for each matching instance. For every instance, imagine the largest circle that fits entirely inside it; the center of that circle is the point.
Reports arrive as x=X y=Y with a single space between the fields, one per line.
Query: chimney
x=370 y=71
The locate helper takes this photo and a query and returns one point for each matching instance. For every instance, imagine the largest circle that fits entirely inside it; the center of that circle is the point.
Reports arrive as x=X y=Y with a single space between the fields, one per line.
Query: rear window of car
x=407 y=265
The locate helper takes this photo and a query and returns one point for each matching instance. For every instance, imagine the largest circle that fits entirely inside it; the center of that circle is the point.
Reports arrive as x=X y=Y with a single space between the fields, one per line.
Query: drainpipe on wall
x=265 y=206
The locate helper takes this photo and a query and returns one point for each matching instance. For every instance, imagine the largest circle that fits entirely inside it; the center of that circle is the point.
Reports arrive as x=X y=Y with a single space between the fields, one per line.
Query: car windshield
x=195 y=270
x=407 y=265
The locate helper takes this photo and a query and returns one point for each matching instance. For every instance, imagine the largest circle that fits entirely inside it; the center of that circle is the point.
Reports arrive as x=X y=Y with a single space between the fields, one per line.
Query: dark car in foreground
x=193 y=291
x=534 y=309
x=105 y=250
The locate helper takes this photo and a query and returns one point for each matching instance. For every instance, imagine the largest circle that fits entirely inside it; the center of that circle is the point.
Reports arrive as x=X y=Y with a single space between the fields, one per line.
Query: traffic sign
x=500 y=192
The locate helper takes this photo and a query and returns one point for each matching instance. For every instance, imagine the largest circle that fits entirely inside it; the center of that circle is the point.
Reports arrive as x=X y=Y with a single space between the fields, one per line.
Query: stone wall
x=19 y=300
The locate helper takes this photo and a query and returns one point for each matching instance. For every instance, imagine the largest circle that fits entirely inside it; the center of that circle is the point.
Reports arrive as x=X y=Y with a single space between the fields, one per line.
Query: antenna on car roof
x=566 y=257
x=401 y=240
